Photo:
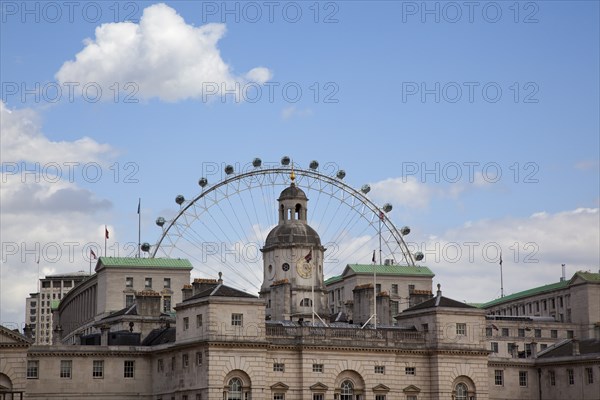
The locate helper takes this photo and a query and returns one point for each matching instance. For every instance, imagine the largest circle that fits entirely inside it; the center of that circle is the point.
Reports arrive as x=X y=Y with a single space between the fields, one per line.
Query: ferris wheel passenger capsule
x=179 y=199
x=257 y=162
x=160 y=221
x=285 y=160
x=203 y=182
x=229 y=169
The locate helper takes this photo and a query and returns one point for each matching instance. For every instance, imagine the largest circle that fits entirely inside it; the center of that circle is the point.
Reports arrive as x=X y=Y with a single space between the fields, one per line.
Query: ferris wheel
x=223 y=228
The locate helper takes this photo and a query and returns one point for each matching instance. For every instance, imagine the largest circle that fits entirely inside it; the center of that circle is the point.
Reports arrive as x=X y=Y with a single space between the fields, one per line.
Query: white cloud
x=465 y=259
x=162 y=55
x=23 y=140
x=293 y=111
x=408 y=192
x=45 y=217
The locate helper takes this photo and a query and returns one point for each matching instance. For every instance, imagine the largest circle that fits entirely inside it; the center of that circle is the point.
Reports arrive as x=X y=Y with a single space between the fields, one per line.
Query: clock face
x=285 y=267
x=304 y=269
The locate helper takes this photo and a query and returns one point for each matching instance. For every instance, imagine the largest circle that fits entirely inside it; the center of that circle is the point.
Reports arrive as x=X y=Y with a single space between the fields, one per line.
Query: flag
x=139 y=204
x=373 y=257
x=308 y=257
x=500 y=258
x=93 y=255
x=105 y=232
x=494 y=327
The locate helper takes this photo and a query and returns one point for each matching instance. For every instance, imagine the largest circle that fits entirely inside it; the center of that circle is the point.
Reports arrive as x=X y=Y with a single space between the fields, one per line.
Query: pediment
x=12 y=338
x=279 y=386
x=319 y=387
x=381 y=388
x=411 y=389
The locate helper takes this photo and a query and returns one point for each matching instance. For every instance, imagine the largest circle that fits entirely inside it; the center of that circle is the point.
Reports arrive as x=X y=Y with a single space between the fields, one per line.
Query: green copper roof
x=333 y=279
x=129 y=262
x=390 y=269
x=586 y=276
x=54 y=304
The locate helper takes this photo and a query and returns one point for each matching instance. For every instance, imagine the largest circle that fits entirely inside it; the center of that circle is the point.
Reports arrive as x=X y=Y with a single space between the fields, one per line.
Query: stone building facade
x=220 y=343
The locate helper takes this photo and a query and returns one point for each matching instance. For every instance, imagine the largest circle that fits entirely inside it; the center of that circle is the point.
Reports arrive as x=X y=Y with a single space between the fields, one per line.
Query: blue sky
x=388 y=91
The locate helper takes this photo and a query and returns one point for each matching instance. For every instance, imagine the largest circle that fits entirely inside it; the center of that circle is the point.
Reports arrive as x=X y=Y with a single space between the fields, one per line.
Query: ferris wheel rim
x=302 y=172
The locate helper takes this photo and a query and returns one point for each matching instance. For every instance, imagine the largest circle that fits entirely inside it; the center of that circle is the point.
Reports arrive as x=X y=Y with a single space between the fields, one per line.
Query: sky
x=477 y=121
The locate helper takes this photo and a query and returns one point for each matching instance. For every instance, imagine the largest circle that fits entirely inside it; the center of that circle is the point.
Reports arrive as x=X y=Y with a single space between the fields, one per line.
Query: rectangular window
x=167 y=304
x=461 y=329
x=544 y=305
x=186 y=323
x=509 y=347
x=237 y=319
x=553 y=333
x=98 y=369
x=537 y=306
x=67 y=284
x=543 y=346
x=278 y=396
x=571 y=376
x=199 y=321
x=278 y=367
x=552 y=304
x=494 y=347
x=552 y=377
x=33 y=366
x=318 y=396
x=148 y=283
x=198 y=397
x=425 y=327
x=380 y=369
x=521 y=332
x=185 y=361
x=410 y=371
x=589 y=374
x=523 y=378
x=394 y=288
x=167 y=283
x=317 y=368
x=184 y=397
x=411 y=397
x=66 y=368
x=505 y=332
x=380 y=397
x=129 y=282
x=128 y=369
x=411 y=288
x=538 y=333
x=498 y=377
x=570 y=334
x=160 y=366
x=198 y=358
x=488 y=332
x=129 y=300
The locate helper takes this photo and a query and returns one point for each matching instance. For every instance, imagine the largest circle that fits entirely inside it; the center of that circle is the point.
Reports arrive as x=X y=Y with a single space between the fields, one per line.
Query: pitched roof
x=220 y=290
x=131 y=262
x=159 y=336
x=333 y=279
x=440 y=301
x=388 y=269
x=565 y=348
x=586 y=276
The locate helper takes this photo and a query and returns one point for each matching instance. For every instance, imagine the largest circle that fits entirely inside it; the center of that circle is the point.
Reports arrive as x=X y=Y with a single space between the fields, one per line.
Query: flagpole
x=312 y=275
x=139 y=227
x=501 y=277
x=105 y=240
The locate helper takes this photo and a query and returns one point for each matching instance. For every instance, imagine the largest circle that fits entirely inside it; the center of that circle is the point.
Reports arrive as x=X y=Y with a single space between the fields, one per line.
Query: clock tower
x=293 y=262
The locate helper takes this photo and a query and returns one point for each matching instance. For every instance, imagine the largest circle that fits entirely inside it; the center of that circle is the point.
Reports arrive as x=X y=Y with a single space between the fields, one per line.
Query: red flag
x=105 y=232
x=308 y=257
x=92 y=254
x=373 y=257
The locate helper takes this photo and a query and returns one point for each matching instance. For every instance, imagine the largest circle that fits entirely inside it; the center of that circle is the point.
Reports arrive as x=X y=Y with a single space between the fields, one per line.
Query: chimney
x=575 y=347
x=148 y=303
x=187 y=291
x=533 y=349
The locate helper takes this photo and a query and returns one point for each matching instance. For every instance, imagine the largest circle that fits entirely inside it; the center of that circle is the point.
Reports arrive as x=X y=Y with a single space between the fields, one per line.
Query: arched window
x=298 y=211
x=281 y=213
x=461 y=392
x=347 y=390
x=306 y=302
x=235 y=389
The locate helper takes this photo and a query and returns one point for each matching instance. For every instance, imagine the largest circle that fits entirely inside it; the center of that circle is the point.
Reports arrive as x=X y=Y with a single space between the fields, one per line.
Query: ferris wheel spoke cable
x=199 y=240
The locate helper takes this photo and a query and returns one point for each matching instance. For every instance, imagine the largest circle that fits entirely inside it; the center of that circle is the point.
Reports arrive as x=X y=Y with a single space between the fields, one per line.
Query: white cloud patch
x=44 y=217
x=23 y=140
x=163 y=55
x=293 y=111
x=466 y=259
